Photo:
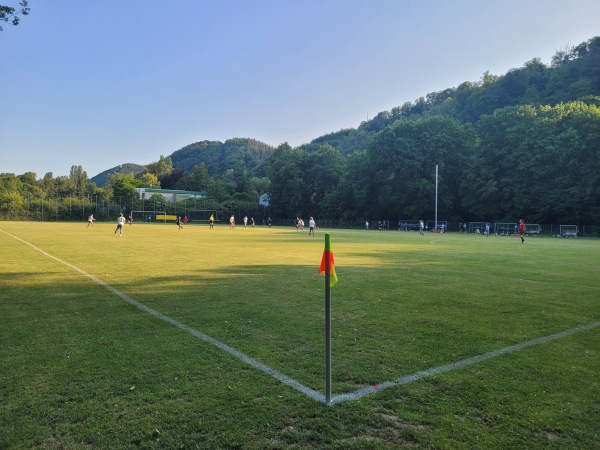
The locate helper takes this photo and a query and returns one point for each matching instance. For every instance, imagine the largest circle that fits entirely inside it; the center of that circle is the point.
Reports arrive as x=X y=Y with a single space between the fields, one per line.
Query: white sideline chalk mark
x=204 y=337
x=295 y=384
x=459 y=364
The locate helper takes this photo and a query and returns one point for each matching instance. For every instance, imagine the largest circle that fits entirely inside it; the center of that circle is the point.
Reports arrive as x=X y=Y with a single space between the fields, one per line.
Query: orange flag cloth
x=333 y=279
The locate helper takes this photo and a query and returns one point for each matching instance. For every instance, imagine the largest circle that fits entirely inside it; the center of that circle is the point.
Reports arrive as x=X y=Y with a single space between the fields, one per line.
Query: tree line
x=537 y=162
x=524 y=144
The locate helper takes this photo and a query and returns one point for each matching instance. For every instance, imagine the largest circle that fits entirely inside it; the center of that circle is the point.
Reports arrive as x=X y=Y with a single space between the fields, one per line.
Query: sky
x=98 y=84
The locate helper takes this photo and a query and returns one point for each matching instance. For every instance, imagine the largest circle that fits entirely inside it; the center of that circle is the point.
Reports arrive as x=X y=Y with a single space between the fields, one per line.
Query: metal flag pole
x=327 y=320
x=436 y=197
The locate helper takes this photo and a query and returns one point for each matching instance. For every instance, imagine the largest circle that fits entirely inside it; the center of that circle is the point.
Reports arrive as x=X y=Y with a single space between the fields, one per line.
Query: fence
x=70 y=209
x=540 y=229
x=78 y=209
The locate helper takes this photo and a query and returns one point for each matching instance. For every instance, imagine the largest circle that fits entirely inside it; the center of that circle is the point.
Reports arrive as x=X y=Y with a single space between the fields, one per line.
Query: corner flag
x=327 y=268
x=327 y=263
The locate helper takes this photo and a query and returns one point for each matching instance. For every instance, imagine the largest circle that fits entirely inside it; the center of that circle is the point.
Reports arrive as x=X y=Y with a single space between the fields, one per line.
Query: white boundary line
x=208 y=339
x=317 y=396
x=459 y=364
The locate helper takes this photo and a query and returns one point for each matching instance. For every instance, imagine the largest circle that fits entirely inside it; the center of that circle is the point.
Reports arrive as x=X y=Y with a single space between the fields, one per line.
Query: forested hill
x=239 y=155
x=102 y=178
x=234 y=157
x=573 y=74
x=525 y=144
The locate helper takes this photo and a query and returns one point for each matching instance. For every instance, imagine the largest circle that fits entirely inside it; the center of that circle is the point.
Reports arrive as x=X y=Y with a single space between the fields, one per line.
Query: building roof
x=170 y=191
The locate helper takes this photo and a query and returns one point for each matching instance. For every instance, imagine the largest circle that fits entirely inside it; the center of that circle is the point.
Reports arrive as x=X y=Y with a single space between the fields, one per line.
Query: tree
x=10 y=183
x=562 y=57
x=352 y=193
x=11 y=201
x=402 y=160
x=80 y=179
x=286 y=176
x=219 y=191
x=8 y=13
x=30 y=186
x=28 y=178
x=322 y=172
x=259 y=185
x=161 y=168
x=149 y=180
x=123 y=187
x=170 y=181
x=197 y=180
x=63 y=187
x=537 y=162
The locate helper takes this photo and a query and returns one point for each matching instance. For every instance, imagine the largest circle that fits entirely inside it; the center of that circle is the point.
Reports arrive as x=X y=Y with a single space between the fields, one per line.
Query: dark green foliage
x=346 y=141
x=285 y=172
x=102 y=178
x=124 y=187
x=574 y=74
x=353 y=189
x=523 y=144
x=161 y=168
x=538 y=162
x=197 y=180
x=10 y=14
x=172 y=180
x=402 y=161
x=237 y=154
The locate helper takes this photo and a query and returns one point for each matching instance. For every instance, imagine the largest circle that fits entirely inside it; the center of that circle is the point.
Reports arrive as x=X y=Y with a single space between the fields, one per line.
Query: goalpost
x=533 y=229
x=408 y=225
x=505 y=228
x=202 y=215
x=149 y=216
x=478 y=227
x=441 y=224
x=569 y=230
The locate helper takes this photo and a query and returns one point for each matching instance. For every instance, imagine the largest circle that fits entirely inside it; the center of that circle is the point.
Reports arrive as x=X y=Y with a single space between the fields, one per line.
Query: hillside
x=102 y=178
x=574 y=74
x=239 y=154
x=236 y=154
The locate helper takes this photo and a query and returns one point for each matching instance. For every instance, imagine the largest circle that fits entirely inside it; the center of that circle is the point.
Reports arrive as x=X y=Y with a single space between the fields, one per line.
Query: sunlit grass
x=80 y=367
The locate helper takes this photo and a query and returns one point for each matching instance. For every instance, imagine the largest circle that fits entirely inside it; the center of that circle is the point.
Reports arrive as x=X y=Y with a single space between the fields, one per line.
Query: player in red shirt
x=522 y=230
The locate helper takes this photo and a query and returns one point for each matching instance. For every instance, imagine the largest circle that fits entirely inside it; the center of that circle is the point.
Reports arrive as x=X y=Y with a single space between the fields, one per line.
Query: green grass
x=82 y=368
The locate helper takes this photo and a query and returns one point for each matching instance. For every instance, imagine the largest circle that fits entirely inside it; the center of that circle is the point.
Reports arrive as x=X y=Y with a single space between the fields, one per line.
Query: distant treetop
x=10 y=14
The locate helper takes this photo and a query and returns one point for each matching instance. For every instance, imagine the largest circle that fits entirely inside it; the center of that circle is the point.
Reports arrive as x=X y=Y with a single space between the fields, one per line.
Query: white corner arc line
x=459 y=364
x=311 y=393
x=204 y=337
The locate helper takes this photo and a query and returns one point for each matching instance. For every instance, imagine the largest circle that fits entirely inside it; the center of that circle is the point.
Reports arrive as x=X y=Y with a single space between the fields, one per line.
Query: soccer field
x=200 y=338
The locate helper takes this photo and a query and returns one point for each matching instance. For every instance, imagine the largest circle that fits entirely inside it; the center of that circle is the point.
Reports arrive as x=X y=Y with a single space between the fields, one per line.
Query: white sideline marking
x=458 y=364
x=295 y=384
x=241 y=356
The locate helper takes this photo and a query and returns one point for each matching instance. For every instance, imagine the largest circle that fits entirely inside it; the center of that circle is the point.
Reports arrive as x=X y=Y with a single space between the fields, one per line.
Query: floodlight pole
x=436 y=197
x=327 y=320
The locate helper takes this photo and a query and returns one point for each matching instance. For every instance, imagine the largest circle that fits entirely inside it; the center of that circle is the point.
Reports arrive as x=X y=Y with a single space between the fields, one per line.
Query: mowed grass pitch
x=82 y=368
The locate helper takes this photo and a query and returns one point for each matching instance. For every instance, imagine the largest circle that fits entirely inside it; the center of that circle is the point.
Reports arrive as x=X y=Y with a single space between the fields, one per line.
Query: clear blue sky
x=101 y=83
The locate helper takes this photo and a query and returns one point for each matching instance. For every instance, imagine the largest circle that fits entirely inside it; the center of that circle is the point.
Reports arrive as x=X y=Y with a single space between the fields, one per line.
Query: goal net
x=568 y=230
x=533 y=229
x=441 y=224
x=505 y=228
x=407 y=225
x=478 y=227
